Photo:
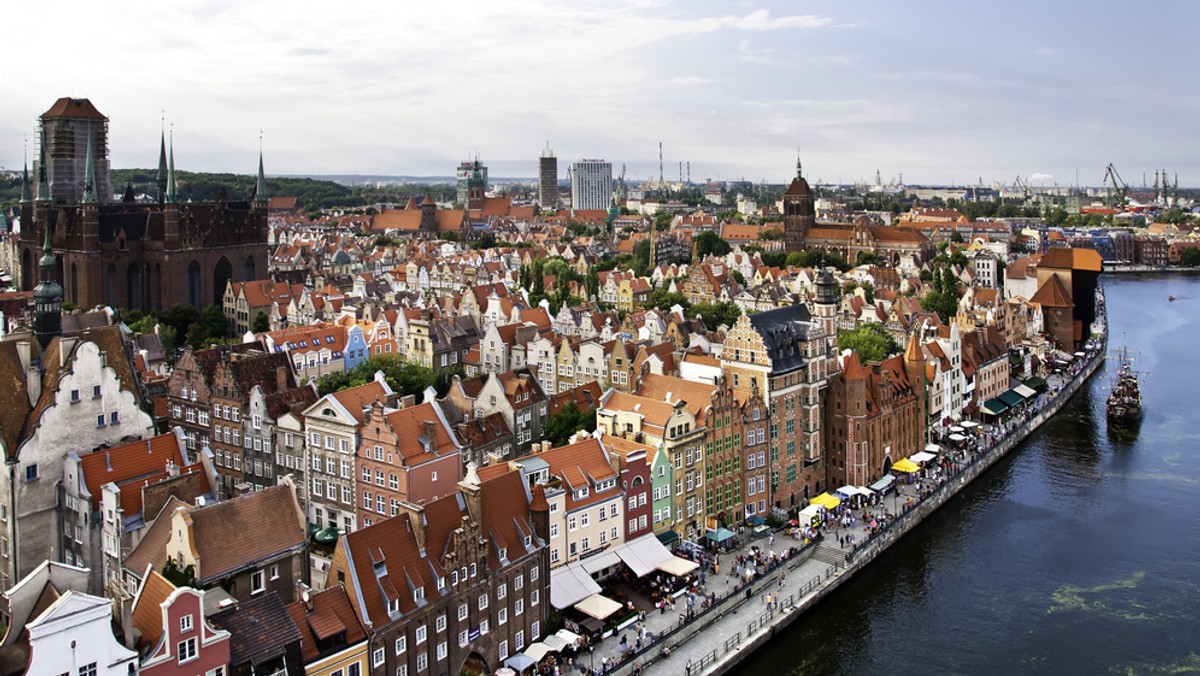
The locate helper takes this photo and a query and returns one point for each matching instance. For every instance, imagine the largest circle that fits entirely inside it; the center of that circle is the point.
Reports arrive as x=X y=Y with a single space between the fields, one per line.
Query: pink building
x=175 y=638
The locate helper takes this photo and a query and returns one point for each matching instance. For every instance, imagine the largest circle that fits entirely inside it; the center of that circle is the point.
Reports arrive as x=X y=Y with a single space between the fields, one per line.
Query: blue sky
x=936 y=91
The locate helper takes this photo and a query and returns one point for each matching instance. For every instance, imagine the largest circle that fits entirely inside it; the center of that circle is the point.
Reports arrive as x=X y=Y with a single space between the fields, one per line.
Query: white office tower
x=591 y=184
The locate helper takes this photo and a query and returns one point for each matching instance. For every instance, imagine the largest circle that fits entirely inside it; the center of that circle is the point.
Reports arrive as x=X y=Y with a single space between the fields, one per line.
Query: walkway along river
x=746 y=616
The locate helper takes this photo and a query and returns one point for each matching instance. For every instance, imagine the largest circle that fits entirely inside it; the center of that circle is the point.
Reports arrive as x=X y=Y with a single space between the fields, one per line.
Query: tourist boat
x=1171 y=298
x=1125 y=398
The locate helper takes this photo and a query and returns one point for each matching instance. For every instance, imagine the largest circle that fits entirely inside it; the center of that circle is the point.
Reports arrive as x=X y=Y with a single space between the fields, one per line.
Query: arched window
x=110 y=285
x=194 y=284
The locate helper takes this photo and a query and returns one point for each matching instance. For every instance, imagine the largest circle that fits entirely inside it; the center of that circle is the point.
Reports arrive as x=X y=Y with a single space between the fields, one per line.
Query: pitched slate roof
x=781 y=329
x=260 y=630
x=327 y=614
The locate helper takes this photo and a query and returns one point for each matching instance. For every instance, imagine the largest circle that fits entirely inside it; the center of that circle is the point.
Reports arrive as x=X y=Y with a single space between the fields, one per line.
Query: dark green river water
x=1079 y=553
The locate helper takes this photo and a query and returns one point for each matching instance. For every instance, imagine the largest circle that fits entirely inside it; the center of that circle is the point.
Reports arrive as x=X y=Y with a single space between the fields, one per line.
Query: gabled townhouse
x=80 y=393
x=519 y=397
x=408 y=454
x=111 y=495
x=243 y=301
x=332 y=639
x=74 y=635
x=248 y=545
x=173 y=635
x=263 y=638
x=318 y=349
x=457 y=584
x=333 y=427
x=266 y=458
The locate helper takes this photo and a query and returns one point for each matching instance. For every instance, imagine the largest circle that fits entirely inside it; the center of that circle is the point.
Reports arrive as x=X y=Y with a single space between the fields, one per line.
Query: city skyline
x=944 y=93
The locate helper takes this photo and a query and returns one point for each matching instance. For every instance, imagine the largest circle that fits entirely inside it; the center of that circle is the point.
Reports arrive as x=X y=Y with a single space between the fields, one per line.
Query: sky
x=934 y=92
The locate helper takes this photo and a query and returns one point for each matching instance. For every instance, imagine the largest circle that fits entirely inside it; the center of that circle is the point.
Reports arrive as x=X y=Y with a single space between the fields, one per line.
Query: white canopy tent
x=922 y=456
x=809 y=513
x=555 y=642
x=597 y=563
x=644 y=554
x=1025 y=391
x=933 y=448
x=569 y=636
x=570 y=585
x=969 y=424
x=536 y=651
x=598 y=606
x=677 y=566
x=957 y=437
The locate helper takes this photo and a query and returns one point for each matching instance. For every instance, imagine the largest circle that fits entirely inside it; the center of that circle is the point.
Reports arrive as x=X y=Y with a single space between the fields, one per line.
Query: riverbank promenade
x=782 y=574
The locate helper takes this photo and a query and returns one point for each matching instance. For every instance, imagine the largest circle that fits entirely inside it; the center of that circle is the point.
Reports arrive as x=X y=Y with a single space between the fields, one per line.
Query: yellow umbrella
x=905 y=465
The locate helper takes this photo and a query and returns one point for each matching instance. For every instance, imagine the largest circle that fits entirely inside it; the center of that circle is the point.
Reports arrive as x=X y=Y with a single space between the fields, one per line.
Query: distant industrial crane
x=1117 y=189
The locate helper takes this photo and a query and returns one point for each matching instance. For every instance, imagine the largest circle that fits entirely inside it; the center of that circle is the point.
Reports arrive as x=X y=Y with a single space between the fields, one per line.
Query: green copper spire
x=260 y=187
x=43 y=188
x=25 y=179
x=161 y=177
x=47 y=262
x=170 y=197
x=89 y=176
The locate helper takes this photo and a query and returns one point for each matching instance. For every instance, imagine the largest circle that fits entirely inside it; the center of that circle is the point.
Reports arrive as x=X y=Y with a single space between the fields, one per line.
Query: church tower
x=914 y=368
x=826 y=304
x=799 y=212
x=47 y=299
x=475 y=185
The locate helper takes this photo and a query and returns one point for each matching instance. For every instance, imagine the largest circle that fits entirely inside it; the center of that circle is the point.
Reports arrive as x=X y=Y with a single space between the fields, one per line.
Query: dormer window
x=418 y=594
x=394 y=604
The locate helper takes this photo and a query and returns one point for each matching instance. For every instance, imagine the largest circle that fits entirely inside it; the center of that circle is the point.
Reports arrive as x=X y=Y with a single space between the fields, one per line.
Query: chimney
x=408 y=401
x=242 y=489
x=172 y=469
x=430 y=431
x=281 y=378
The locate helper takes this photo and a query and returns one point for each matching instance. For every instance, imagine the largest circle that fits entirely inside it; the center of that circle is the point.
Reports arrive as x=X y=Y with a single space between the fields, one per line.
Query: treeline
x=204 y=187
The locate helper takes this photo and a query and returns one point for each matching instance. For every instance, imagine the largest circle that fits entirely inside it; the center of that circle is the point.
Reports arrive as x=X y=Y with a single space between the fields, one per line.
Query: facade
x=138 y=256
x=174 y=636
x=332 y=429
x=548 y=180
x=453 y=586
x=270 y=453
x=591 y=184
x=74 y=635
x=233 y=381
x=333 y=641
x=83 y=394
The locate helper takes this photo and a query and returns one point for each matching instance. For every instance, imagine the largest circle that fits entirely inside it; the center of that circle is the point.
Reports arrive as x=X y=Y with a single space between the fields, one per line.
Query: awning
x=923 y=456
x=884 y=483
x=570 y=585
x=957 y=437
x=598 y=606
x=520 y=662
x=1038 y=384
x=757 y=520
x=667 y=537
x=956 y=428
x=569 y=636
x=933 y=448
x=905 y=465
x=555 y=642
x=969 y=424
x=536 y=651
x=825 y=500
x=809 y=513
x=994 y=406
x=1026 y=392
x=597 y=563
x=677 y=566
x=643 y=554
x=719 y=535
x=1010 y=398
x=847 y=492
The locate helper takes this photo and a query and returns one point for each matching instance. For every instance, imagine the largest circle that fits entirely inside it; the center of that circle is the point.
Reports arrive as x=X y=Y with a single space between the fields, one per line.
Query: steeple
x=25 y=179
x=161 y=177
x=799 y=167
x=260 y=187
x=89 y=176
x=43 y=187
x=47 y=299
x=170 y=196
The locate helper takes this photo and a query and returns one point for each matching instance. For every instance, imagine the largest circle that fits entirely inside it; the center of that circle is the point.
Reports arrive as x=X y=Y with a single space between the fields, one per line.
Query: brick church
x=122 y=252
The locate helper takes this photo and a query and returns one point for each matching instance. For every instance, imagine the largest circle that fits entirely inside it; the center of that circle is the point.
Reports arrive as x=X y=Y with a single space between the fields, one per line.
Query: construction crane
x=1117 y=189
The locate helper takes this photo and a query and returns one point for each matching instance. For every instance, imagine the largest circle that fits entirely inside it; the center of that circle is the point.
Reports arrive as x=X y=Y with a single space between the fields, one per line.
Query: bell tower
x=799 y=211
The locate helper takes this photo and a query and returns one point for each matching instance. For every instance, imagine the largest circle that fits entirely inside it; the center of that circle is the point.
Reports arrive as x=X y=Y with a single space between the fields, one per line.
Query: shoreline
x=1148 y=270
x=720 y=639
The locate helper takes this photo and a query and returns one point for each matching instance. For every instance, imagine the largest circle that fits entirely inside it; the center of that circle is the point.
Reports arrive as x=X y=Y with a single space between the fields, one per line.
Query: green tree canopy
x=566 y=421
x=402 y=376
x=261 y=322
x=710 y=243
x=870 y=341
x=716 y=314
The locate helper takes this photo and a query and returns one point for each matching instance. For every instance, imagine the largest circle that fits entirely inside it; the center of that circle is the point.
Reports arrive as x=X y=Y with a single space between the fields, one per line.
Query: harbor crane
x=1118 y=191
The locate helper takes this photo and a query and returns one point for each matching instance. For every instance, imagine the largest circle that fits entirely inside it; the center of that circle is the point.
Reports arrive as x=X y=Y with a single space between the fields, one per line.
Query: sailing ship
x=1125 y=398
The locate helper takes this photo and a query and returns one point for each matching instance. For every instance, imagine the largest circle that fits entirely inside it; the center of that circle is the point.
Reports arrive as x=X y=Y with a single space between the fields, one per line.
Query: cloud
x=691 y=80
x=1040 y=177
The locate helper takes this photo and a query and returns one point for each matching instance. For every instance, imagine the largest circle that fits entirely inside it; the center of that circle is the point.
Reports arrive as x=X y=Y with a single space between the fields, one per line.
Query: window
x=502 y=591
x=462 y=638
x=483 y=601
x=401 y=645
x=88 y=669
x=377 y=657
x=441 y=647
x=502 y=617
x=257 y=582
x=95 y=391
x=31 y=472
x=535 y=630
x=519 y=607
x=533 y=597
x=519 y=583
x=75 y=397
x=114 y=418
x=185 y=624
x=100 y=420
x=275 y=572
x=483 y=627
x=533 y=574
x=503 y=650
x=463 y=610
x=440 y=623
x=519 y=640
x=187 y=650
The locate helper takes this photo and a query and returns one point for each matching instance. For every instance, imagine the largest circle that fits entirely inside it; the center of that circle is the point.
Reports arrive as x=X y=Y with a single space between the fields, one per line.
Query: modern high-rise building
x=548 y=179
x=591 y=184
x=465 y=169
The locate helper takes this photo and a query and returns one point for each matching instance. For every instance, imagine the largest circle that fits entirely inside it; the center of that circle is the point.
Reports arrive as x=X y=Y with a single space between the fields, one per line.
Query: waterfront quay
x=730 y=616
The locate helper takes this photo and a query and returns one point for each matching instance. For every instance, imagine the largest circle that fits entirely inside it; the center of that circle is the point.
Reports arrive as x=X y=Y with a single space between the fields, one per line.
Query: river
x=1076 y=554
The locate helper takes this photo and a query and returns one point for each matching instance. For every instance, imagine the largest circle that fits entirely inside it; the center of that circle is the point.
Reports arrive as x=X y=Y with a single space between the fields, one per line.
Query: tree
x=716 y=314
x=448 y=236
x=1190 y=256
x=261 y=322
x=870 y=340
x=770 y=234
x=486 y=241
x=402 y=376
x=663 y=299
x=566 y=421
x=710 y=243
x=641 y=258
x=738 y=276
x=185 y=577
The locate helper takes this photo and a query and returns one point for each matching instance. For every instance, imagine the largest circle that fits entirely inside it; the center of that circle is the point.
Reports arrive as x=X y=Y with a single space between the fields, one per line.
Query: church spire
x=161 y=177
x=47 y=299
x=260 y=187
x=89 y=176
x=25 y=178
x=170 y=196
x=799 y=167
x=43 y=187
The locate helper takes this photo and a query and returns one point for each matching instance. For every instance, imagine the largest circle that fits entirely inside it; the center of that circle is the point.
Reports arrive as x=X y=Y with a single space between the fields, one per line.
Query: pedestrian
x=688 y=668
